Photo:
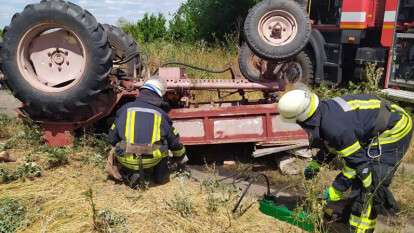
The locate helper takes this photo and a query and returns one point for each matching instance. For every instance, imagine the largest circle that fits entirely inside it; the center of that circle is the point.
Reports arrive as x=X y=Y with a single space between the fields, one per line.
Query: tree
x=210 y=20
x=148 y=29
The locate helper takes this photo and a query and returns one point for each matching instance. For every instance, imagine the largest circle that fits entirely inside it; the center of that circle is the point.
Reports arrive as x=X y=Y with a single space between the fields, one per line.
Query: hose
x=248 y=187
x=193 y=67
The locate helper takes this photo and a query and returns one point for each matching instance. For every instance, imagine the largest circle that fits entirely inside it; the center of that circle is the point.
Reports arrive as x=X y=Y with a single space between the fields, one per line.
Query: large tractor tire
x=124 y=47
x=298 y=69
x=277 y=29
x=56 y=59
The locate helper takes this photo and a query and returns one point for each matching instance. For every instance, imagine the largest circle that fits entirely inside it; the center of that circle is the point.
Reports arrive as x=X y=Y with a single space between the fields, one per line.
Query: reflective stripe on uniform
x=343 y=104
x=132 y=128
x=179 y=153
x=113 y=126
x=132 y=161
x=156 y=130
x=348 y=172
x=350 y=150
x=400 y=130
x=127 y=128
x=363 y=223
x=175 y=131
x=334 y=195
x=364 y=104
x=367 y=181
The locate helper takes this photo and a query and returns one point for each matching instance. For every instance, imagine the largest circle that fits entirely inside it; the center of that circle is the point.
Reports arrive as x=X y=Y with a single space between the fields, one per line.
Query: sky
x=106 y=11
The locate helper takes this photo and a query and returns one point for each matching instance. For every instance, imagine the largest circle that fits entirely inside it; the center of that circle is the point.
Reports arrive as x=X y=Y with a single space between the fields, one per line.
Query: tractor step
x=400 y=95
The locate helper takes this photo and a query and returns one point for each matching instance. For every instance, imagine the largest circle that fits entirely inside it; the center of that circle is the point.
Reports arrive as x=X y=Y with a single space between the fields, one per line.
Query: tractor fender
x=316 y=45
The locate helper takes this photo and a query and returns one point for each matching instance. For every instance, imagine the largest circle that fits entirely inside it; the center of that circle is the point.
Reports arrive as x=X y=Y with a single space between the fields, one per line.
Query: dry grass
x=61 y=205
x=200 y=55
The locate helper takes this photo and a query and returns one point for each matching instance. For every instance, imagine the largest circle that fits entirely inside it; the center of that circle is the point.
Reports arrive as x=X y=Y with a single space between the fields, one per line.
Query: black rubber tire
x=80 y=101
x=265 y=50
x=250 y=72
x=123 y=46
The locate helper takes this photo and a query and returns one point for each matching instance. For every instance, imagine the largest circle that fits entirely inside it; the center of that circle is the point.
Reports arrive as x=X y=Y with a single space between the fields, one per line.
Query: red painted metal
x=222 y=118
x=389 y=26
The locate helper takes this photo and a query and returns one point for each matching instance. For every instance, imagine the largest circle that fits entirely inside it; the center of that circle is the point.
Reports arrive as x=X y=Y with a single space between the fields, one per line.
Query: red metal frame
x=263 y=113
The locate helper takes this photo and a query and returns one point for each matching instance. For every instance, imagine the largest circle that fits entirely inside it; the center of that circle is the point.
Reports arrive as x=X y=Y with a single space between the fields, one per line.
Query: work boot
x=6 y=158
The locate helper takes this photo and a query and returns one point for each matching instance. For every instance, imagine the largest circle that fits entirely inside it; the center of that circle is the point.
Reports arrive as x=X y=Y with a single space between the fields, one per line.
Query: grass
x=12 y=214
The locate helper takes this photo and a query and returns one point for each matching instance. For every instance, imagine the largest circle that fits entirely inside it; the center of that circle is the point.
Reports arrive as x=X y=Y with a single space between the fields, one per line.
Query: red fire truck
x=337 y=38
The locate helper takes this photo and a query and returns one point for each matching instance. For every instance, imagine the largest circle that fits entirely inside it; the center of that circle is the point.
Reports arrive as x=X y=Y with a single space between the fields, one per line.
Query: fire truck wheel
x=255 y=69
x=277 y=29
x=56 y=59
x=124 y=47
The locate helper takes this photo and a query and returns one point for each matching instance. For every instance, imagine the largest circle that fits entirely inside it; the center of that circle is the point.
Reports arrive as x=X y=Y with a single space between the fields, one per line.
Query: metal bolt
x=60 y=69
x=67 y=62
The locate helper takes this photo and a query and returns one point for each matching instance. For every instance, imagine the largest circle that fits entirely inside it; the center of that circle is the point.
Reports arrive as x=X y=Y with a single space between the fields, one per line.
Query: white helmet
x=298 y=105
x=157 y=85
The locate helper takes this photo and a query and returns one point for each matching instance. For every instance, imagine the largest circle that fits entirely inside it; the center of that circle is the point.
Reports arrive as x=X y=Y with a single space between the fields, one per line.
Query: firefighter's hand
x=311 y=170
x=182 y=160
x=331 y=194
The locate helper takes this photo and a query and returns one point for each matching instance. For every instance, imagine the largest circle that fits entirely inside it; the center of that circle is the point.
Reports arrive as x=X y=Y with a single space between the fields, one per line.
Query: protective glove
x=331 y=194
x=311 y=170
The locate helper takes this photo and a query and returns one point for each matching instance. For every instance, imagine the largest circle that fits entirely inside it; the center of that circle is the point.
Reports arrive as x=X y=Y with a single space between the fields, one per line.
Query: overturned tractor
x=69 y=72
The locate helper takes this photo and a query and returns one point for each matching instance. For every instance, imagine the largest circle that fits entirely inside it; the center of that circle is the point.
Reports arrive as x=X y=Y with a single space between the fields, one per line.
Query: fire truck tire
x=252 y=73
x=75 y=45
x=124 y=46
x=269 y=42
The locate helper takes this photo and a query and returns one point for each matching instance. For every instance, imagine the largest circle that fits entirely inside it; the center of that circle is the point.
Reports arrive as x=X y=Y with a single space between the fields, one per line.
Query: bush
x=12 y=214
x=28 y=170
x=148 y=29
x=56 y=157
x=6 y=175
x=210 y=20
x=108 y=221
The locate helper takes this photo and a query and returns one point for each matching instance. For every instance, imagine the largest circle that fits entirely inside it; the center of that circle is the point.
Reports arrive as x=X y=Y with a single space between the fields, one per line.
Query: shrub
x=28 y=170
x=6 y=175
x=148 y=29
x=108 y=220
x=12 y=214
x=56 y=157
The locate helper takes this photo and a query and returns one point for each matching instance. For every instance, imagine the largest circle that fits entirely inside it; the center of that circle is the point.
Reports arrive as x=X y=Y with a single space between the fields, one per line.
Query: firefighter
x=142 y=135
x=368 y=134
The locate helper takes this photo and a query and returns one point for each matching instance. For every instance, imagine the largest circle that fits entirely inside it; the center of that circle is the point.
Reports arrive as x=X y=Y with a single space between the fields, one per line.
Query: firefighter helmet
x=298 y=105
x=157 y=85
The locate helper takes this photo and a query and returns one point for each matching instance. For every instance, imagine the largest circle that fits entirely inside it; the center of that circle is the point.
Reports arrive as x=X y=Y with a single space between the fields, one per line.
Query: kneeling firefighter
x=370 y=136
x=142 y=136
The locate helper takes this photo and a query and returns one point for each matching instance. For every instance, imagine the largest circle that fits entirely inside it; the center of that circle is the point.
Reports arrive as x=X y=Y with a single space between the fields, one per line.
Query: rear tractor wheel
x=56 y=59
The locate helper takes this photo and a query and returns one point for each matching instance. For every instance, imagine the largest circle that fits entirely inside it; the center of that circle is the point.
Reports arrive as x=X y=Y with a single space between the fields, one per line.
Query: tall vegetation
x=196 y=20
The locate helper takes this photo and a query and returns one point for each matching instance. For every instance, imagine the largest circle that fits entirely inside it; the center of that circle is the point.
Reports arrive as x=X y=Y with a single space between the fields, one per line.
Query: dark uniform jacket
x=144 y=122
x=345 y=125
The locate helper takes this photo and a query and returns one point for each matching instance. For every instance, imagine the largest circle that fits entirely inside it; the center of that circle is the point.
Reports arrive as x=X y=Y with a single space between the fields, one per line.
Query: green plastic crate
x=302 y=220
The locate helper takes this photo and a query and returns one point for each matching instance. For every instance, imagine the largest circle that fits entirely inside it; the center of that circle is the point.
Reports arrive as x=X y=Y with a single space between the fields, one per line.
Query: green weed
x=28 y=170
x=181 y=203
x=12 y=215
x=109 y=221
x=56 y=157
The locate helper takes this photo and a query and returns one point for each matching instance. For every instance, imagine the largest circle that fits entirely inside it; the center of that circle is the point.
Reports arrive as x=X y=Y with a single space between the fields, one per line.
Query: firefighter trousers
x=366 y=204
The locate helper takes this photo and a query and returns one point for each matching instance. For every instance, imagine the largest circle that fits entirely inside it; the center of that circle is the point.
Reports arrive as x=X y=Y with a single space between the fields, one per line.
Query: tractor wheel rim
x=51 y=57
x=278 y=28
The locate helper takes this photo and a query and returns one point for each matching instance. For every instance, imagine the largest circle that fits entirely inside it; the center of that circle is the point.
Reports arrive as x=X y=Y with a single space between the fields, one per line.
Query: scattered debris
x=289 y=166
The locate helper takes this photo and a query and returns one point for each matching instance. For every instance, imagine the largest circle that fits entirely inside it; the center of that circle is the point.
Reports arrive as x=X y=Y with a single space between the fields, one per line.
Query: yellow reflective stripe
x=132 y=162
x=113 y=126
x=132 y=128
x=312 y=108
x=350 y=150
x=334 y=195
x=362 y=223
x=159 y=128
x=364 y=104
x=154 y=129
x=400 y=130
x=175 y=131
x=348 y=172
x=367 y=181
x=179 y=153
x=127 y=126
